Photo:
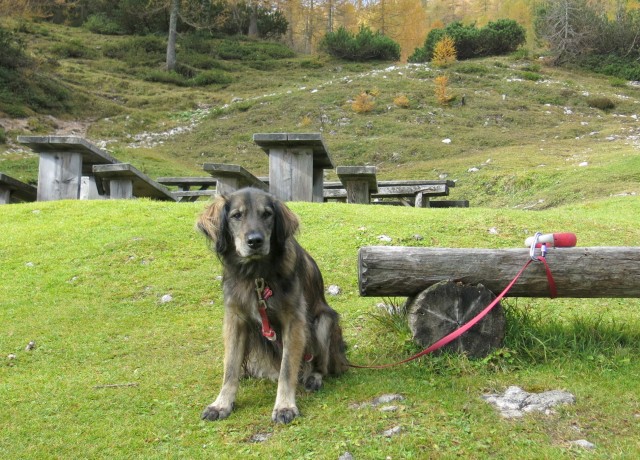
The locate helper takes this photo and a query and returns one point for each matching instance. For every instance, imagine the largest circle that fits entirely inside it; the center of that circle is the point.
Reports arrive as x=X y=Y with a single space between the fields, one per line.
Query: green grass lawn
x=117 y=373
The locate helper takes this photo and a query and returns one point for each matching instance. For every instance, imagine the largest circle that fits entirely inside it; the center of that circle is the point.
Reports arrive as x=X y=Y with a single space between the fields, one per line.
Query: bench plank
x=14 y=191
x=231 y=177
x=116 y=177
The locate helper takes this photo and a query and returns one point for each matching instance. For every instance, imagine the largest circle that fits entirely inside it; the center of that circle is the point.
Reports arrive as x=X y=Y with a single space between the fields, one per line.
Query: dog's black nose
x=255 y=240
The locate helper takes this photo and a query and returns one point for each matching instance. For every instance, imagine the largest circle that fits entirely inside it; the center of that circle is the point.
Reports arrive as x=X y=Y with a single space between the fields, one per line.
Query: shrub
x=100 y=23
x=602 y=103
x=162 y=76
x=444 y=52
x=211 y=77
x=402 y=101
x=3 y=136
x=12 y=46
x=496 y=38
x=614 y=66
x=73 y=49
x=441 y=90
x=364 y=46
x=364 y=102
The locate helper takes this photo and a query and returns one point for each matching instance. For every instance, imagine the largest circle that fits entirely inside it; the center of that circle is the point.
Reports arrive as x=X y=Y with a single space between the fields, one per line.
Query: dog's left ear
x=286 y=222
x=213 y=221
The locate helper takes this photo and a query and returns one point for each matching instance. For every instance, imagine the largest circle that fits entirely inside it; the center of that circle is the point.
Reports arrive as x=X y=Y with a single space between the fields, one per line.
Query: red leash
x=458 y=332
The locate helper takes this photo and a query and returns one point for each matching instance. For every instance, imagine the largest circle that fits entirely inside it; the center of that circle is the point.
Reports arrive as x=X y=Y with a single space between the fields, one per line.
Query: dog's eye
x=237 y=215
x=267 y=213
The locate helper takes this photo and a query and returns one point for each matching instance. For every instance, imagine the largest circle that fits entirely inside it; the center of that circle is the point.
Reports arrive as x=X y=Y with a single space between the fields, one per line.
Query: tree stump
x=447 y=305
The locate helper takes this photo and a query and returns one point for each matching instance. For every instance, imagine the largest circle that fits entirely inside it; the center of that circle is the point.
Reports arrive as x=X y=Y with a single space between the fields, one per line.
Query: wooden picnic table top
x=91 y=154
x=321 y=157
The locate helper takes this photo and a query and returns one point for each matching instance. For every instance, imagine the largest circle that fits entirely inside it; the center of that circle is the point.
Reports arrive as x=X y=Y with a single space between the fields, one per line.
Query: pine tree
x=444 y=53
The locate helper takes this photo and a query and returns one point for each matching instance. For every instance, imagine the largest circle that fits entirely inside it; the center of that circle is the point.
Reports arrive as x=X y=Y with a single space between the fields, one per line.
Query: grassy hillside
x=528 y=135
x=117 y=372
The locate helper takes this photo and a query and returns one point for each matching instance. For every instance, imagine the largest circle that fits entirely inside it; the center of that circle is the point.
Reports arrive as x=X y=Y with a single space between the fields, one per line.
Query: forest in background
x=305 y=23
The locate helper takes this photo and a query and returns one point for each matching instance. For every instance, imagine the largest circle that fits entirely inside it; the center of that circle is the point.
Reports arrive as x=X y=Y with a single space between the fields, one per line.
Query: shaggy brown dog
x=253 y=235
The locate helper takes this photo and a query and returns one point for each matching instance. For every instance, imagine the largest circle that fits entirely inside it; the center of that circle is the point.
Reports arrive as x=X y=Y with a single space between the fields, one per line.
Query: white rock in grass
x=584 y=444
x=166 y=298
x=334 y=290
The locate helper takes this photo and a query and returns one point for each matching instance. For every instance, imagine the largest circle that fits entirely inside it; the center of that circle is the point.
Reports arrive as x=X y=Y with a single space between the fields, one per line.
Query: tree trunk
x=578 y=272
x=173 y=32
x=253 y=21
x=447 y=306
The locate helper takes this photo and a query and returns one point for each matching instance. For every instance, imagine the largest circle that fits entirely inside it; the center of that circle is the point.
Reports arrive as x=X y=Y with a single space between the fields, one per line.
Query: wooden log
x=578 y=272
x=446 y=306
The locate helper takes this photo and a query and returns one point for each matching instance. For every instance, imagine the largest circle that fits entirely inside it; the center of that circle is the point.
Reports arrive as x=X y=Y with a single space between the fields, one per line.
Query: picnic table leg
x=291 y=174
x=318 y=185
x=59 y=176
x=89 y=189
x=226 y=185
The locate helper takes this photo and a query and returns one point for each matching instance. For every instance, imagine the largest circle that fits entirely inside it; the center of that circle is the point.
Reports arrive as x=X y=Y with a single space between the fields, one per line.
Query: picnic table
x=296 y=164
x=64 y=160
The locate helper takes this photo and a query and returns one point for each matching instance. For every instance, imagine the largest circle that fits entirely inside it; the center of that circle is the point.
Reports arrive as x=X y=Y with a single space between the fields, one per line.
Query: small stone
x=474 y=169
x=11 y=357
x=392 y=431
x=388 y=408
x=30 y=346
x=446 y=141
x=387 y=398
x=385 y=238
x=166 y=298
x=346 y=456
x=334 y=290
x=583 y=443
x=260 y=437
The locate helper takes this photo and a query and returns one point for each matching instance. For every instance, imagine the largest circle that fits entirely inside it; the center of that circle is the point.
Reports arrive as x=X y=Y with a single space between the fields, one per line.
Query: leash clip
x=532 y=248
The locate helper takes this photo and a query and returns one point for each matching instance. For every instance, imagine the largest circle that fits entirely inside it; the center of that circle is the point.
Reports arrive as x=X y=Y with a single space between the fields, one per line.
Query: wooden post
x=59 y=176
x=578 y=272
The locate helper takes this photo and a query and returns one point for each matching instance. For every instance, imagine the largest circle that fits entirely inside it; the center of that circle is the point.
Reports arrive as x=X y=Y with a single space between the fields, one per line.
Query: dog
x=271 y=287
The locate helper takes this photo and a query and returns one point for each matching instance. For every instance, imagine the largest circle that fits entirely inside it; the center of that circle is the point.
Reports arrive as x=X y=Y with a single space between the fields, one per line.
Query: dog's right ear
x=213 y=223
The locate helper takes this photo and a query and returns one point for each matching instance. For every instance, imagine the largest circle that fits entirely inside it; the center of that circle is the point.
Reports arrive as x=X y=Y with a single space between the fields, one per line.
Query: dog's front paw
x=285 y=415
x=214 y=412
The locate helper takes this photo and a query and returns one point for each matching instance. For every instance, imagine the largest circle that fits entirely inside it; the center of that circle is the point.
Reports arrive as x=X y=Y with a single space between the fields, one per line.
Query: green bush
x=73 y=49
x=162 y=76
x=614 y=66
x=146 y=50
x=100 y=23
x=496 y=38
x=211 y=77
x=250 y=50
x=364 y=46
x=12 y=46
x=602 y=103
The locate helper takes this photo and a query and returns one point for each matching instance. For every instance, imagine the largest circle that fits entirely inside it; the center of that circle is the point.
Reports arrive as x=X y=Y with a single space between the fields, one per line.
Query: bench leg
x=120 y=189
x=5 y=195
x=422 y=201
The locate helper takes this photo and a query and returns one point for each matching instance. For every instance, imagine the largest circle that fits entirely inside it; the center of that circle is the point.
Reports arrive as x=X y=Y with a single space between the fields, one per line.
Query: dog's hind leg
x=235 y=340
x=322 y=327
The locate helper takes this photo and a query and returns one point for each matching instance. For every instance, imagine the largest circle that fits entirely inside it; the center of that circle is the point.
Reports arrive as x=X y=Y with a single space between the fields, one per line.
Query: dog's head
x=249 y=224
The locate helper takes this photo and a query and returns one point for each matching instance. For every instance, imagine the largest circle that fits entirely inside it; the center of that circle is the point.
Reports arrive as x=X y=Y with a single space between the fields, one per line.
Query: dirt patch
x=55 y=126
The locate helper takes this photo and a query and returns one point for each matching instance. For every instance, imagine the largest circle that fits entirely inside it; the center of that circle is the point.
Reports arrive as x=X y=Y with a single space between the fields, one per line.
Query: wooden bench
x=184 y=193
x=359 y=182
x=64 y=160
x=399 y=192
x=123 y=181
x=296 y=164
x=230 y=178
x=15 y=191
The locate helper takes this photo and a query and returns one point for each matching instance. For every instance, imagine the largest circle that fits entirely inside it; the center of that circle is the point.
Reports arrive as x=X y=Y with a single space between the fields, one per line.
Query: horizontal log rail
x=587 y=272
